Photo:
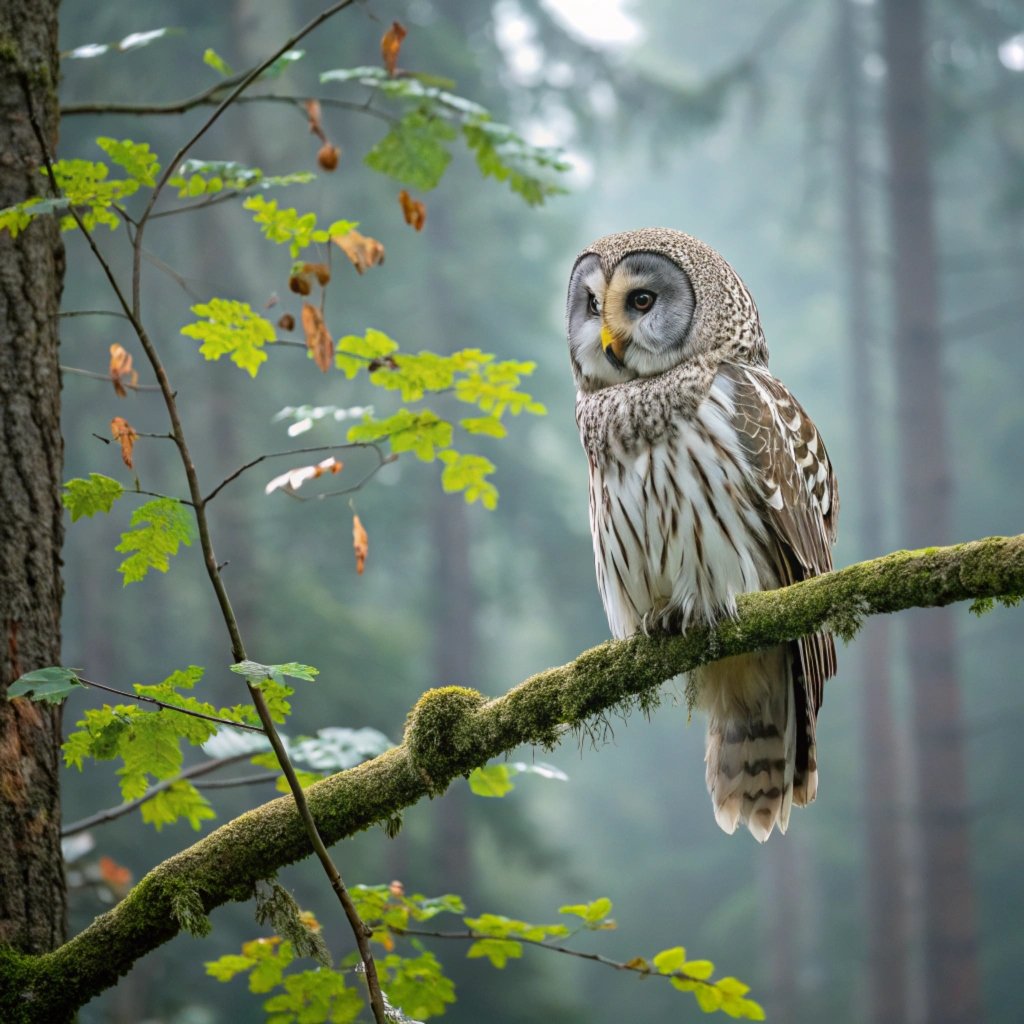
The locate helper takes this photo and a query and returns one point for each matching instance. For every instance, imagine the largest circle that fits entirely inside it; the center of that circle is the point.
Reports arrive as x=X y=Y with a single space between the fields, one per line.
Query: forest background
x=729 y=123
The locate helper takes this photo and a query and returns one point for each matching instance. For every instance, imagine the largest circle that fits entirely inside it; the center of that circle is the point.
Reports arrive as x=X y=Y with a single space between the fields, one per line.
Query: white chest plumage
x=676 y=536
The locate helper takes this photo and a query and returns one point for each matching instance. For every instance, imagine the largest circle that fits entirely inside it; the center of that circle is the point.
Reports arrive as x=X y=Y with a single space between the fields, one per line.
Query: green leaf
x=489 y=425
x=708 y=997
x=258 y=673
x=422 y=433
x=288 y=226
x=414 y=152
x=355 y=353
x=467 y=473
x=206 y=177
x=314 y=996
x=135 y=157
x=214 y=60
x=226 y=967
x=163 y=524
x=180 y=800
x=283 y=63
x=87 y=497
x=492 y=780
x=417 y=984
x=668 y=961
x=594 y=914
x=699 y=969
x=498 y=951
x=50 y=685
x=233 y=328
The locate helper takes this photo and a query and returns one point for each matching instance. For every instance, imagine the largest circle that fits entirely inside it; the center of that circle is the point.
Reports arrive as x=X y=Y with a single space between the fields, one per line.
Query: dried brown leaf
x=121 y=370
x=413 y=210
x=390 y=44
x=362 y=250
x=360 y=544
x=314 y=114
x=318 y=338
x=299 y=284
x=125 y=435
x=287 y=322
x=320 y=271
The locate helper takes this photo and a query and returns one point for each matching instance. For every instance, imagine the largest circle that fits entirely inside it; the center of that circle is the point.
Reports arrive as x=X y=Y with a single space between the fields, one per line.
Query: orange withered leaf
x=121 y=370
x=320 y=271
x=390 y=44
x=287 y=322
x=362 y=250
x=318 y=338
x=360 y=544
x=115 y=875
x=125 y=435
x=328 y=156
x=413 y=210
x=314 y=114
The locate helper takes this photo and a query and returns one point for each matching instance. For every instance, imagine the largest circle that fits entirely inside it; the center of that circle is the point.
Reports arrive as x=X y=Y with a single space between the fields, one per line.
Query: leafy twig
x=168 y=707
x=112 y=813
x=292 y=451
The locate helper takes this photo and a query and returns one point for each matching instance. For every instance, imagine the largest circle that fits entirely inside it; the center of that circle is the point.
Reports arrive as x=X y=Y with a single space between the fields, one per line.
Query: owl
x=707 y=480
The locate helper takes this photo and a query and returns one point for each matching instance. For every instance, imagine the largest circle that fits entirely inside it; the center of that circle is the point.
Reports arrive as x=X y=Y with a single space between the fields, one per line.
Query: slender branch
x=640 y=968
x=209 y=97
x=112 y=813
x=169 y=707
x=293 y=451
x=241 y=780
x=106 y=376
x=203 y=204
x=91 y=312
x=453 y=730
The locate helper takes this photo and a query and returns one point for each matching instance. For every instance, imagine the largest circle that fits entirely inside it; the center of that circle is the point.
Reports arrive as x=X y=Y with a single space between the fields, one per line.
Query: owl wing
x=796 y=488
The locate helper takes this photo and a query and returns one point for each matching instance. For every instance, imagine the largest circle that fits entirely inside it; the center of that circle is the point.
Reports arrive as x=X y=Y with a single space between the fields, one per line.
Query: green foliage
x=87 y=497
x=499 y=935
x=149 y=745
x=466 y=473
x=164 y=524
x=269 y=680
x=212 y=59
x=491 y=780
x=421 y=432
x=594 y=915
x=726 y=994
x=50 y=685
x=84 y=185
x=231 y=328
x=207 y=177
x=416 y=984
x=416 y=150
x=288 y=226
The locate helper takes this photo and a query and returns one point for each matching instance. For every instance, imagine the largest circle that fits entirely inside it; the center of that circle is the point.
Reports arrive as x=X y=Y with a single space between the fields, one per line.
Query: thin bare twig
x=641 y=968
x=292 y=451
x=91 y=312
x=112 y=813
x=106 y=376
x=241 y=780
x=169 y=707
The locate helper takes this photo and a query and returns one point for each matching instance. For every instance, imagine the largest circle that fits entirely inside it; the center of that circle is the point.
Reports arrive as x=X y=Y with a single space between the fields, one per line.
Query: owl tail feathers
x=750 y=763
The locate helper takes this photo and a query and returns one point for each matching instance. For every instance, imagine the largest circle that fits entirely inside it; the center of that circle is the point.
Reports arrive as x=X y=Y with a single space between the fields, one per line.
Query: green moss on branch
x=452 y=730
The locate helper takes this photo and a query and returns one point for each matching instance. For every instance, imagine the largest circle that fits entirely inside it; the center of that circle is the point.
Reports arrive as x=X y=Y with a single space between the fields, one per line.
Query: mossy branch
x=452 y=730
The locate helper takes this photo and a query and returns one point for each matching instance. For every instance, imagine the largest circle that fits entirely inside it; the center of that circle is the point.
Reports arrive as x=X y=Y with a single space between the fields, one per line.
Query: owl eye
x=593 y=307
x=641 y=300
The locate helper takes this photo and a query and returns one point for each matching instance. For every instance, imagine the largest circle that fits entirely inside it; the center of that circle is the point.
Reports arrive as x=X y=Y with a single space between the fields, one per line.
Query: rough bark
x=32 y=889
x=952 y=977
x=885 y=898
x=452 y=730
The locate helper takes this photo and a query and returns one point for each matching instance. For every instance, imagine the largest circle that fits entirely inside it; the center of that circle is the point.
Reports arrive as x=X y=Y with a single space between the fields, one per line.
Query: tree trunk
x=952 y=982
x=32 y=889
x=885 y=897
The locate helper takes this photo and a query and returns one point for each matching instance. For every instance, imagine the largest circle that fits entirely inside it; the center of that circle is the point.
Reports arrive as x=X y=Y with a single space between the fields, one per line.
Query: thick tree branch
x=452 y=730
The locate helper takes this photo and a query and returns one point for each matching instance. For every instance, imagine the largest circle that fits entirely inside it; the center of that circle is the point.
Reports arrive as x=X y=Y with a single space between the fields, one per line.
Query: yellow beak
x=614 y=347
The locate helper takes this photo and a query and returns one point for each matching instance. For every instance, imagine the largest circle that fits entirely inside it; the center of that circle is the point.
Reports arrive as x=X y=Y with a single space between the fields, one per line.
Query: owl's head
x=642 y=302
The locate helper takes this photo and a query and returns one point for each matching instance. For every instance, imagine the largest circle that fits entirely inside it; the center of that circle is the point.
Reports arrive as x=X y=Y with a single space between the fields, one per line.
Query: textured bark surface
x=452 y=730
x=952 y=977
x=32 y=893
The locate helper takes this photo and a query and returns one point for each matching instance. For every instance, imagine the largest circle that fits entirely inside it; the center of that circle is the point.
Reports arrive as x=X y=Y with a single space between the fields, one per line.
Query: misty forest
x=309 y=709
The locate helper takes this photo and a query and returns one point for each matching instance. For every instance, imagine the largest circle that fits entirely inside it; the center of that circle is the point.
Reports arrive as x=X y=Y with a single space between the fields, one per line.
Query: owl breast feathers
x=707 y=480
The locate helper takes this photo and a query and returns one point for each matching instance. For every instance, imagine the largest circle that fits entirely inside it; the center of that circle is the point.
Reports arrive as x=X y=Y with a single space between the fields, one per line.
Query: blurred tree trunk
x=952 y=982
x=32 y=887
x=885 y=899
